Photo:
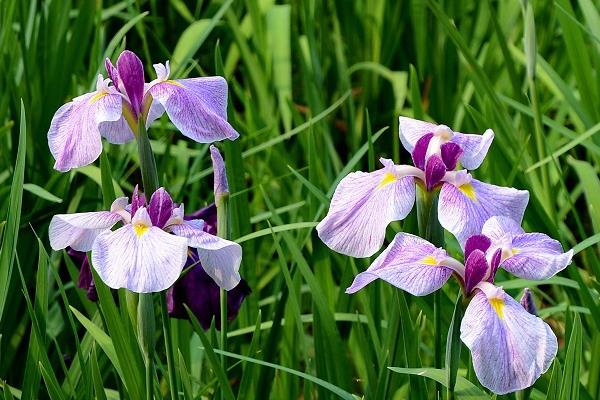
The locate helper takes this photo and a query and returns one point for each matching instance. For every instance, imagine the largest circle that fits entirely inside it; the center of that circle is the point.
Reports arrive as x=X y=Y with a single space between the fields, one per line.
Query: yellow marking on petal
x=174 y=83
x=498 y=306
x=468 y=191
x=97 y=97
x=515 y=250
x=140 y=229
x=429 y=260
x=387 y=179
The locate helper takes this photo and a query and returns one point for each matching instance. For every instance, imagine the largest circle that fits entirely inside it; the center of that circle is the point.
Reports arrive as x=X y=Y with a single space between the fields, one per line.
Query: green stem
x=147 y=162
x=222 y=202
x=173 y=384
x=431 y=230
x=453 y=345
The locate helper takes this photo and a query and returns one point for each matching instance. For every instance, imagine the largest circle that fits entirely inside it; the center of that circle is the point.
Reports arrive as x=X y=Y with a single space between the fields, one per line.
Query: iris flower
x=147 y=253
x=510 y=346
x=365 y=203
x=196 y=106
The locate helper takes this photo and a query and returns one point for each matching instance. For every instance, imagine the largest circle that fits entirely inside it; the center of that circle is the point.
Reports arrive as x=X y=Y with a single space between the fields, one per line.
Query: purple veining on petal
x=138 y=199
x=434 y=171
x=86 y=280
x=420 y=151
x=475 y=269
x=200 y=293
x=209 y=215
x=131 y=74
x=113 y=74
x=451 y=153
x=160 y=207
x=480 y=242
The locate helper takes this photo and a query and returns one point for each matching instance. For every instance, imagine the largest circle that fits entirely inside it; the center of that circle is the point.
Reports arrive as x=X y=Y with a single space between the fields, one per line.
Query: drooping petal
x=362 y=207
x=141 y=259
x=498 y=228
x=197 y=107
x=536 y=256
x=74 y=135
x=200 y=293
x=474 y=147
x=463 y=210
x=116 y=132
x=510 y=347
x=476 y=268
x=411 y=130
x=131 y=74
x=409 y=263
x=221 y=186
x=81 y=229
x=434 y=171
x=209 y=215
x=160 y=207
x=419 y=152
x=220 y=258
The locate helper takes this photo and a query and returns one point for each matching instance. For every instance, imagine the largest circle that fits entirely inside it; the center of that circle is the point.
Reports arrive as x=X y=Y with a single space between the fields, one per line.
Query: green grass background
x=315 y=89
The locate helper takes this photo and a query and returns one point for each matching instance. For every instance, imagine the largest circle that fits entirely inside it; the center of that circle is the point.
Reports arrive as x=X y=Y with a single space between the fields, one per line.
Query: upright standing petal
x=220 y=258
x=160 y=207
x=131 y=74
x=474 y=147
x=464 y=209
x=196 y=106
x=81 y=229
x=221 y=187
x=409 y=263
x=411 y=130
x=476 y=268
x=435 y=170
x=139 y=257
x=362 y=207
x=74 y=136
x=510 y=347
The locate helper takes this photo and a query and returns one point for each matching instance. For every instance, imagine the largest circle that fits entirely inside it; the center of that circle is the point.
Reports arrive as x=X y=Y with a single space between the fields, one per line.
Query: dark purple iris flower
x=198 y=290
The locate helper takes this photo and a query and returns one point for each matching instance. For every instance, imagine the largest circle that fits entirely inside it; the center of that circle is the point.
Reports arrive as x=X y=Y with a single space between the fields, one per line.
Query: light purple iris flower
x=365 y=203
x=196 y=106
x=147 y=253
x=510 y=346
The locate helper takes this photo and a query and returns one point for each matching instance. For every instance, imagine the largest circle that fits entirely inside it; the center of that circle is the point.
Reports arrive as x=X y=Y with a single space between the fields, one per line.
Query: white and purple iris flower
x=365 y=203
x=196 y=106
x=510 y=346
x=148 y=252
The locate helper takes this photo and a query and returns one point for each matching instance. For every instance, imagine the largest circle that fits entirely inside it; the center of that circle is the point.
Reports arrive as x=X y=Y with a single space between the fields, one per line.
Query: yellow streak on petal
x=140 y=229
x=429 y=260
x=498 y=306
x=515 y=251
x=96 y=97
x=174 y=83
x=387 y=179
x=468 y=191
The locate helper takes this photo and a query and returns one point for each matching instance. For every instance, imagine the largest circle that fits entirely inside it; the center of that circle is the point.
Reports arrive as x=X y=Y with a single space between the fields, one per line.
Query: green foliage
x=301 y=75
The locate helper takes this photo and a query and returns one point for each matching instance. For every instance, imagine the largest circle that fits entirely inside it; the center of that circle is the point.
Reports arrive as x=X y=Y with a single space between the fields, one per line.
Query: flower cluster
x=510 y=346
x=154 y=241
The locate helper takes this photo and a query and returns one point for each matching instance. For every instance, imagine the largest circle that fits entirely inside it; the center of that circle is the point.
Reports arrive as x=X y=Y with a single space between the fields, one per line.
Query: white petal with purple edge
x=74 y=136
x=411 y=130
x=409 y=263
x=475 y=147
x=219 y=257
x=536 y=256
x=79 y=230
x=362 y=207
x=510 y=347
x=196 y=106
x=142 y=259
x=463 y=210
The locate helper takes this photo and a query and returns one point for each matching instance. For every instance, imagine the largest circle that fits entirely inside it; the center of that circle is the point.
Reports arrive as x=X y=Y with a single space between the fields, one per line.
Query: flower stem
x=147 y=162
x=431 y=230
x=222 y=203
x=453 y=346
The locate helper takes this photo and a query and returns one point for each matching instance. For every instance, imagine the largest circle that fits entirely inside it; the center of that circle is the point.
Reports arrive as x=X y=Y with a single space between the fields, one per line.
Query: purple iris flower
x=148 y=252
x=365 y=203
x=196 y=106
x=510 y=346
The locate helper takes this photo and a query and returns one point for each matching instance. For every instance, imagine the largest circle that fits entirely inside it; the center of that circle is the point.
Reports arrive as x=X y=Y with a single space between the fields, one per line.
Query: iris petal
x=409 y=263
x=475 y=147
x=510 y=347
x=411 y=130
x=362 y=207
